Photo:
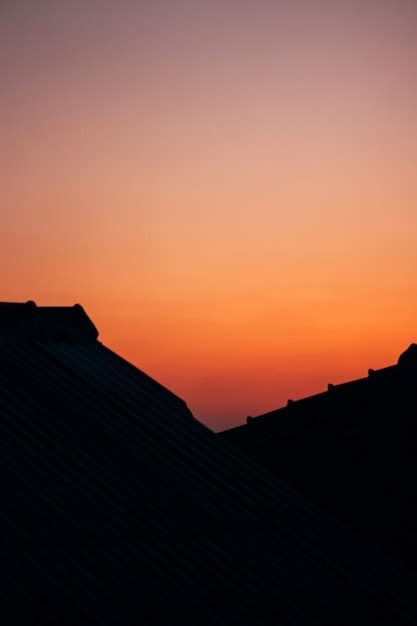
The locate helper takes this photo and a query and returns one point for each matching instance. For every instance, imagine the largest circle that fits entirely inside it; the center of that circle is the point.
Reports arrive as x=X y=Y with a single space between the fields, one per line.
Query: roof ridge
x=25 y=321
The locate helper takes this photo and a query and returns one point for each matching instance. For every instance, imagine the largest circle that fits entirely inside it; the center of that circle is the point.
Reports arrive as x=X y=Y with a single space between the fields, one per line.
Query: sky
x=228 y=188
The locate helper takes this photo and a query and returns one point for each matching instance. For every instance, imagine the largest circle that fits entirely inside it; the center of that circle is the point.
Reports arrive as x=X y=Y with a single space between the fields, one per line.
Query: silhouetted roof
x=21 y=322
x=118 y=507
x=352 y=449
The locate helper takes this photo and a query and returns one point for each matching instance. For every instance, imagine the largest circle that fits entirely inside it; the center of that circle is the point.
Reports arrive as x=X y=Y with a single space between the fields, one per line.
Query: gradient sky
x=229 y=188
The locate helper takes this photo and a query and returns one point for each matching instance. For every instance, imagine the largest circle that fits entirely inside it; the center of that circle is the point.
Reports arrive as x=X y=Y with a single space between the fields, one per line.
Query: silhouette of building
x=352 y=450
x=118 y=507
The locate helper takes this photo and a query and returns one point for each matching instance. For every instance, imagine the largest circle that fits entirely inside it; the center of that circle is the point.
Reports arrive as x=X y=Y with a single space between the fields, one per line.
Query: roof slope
x=117 y=507
x=352 y=449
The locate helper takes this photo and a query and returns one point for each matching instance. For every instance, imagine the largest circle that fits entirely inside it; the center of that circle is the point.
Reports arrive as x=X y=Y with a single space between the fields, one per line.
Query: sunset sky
x=228 y=188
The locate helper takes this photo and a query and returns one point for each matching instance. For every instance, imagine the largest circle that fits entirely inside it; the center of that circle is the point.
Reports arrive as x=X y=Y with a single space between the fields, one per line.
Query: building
x=351 y=450
x=119 y=508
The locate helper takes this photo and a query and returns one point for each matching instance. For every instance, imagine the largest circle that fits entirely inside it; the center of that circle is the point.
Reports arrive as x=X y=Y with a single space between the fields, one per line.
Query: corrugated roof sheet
x=118 y=507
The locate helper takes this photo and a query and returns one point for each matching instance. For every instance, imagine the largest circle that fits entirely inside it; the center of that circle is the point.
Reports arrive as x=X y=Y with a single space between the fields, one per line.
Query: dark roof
x=351 y=449
x=118 y=507
x=23 y=322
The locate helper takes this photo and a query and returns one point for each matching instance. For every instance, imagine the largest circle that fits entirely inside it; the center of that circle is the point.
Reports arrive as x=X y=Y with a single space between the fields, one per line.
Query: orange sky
x=229 y=188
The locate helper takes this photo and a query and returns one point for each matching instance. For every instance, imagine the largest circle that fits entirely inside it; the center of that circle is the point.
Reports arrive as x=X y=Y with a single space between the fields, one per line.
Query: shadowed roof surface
x=351 y=449
x=118 y=507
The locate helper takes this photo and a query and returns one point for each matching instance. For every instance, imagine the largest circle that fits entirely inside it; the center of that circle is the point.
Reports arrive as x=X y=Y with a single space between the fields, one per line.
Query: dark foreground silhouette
x=118 y=507
x=353 y=450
